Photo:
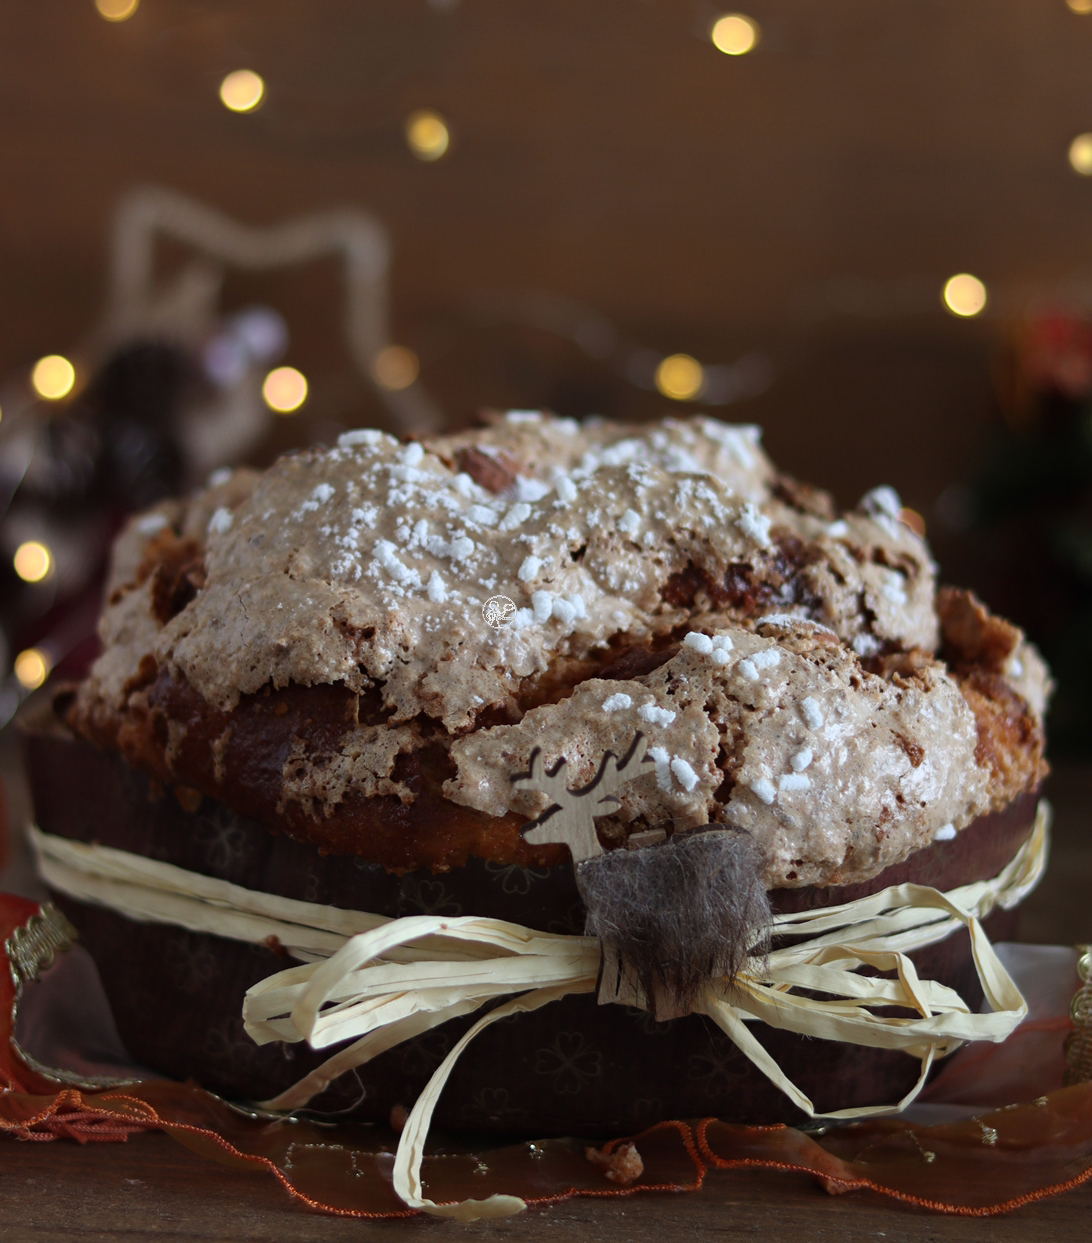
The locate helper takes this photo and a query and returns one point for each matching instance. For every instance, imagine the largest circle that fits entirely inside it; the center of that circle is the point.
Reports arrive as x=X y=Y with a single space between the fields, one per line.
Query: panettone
x=321 y=682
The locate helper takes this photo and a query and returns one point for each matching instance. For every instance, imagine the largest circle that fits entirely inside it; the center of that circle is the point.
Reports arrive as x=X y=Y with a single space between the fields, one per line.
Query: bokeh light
x=964 y=295
x=32 y=668
x=285 y=390
x=680 y=377
x=242 y=91
x=33 y=561
x=734 y=35
x=53 y=377
x=1080 y=6
x=1080 y=153
x=116 y=10
x=427 y=134
x=395 y=367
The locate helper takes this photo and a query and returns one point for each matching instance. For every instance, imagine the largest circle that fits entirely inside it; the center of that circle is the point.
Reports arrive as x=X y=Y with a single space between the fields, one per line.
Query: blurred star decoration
x=166 y=389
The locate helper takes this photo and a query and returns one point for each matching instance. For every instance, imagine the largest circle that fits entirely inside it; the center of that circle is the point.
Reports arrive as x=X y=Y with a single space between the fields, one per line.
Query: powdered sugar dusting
x=683 y=773
x=653 y=714
x=754 y=524
x=764 y=789
x=220 y=522
x=617 y=702
x=791 y=783
x=149 y=524
x=811 y=712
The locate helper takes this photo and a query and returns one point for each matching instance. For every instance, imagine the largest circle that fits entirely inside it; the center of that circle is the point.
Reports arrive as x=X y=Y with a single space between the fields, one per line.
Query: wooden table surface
x=151 y=1187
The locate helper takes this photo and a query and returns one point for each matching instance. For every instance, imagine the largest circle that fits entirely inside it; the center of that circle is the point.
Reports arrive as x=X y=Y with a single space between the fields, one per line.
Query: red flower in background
x=1054 y=353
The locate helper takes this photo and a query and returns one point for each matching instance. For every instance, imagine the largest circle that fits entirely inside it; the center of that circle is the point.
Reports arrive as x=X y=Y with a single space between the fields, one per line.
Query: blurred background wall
x=805 y=201
x=614 y=189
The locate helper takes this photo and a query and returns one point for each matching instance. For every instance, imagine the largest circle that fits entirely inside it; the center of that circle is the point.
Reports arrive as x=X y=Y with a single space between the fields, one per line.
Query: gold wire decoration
x=33 y=946
x=1078 y=1045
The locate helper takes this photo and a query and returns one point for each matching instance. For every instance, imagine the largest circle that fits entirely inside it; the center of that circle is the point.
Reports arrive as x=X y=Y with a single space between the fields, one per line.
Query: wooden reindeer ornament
x=570 y=819
x=671 y=917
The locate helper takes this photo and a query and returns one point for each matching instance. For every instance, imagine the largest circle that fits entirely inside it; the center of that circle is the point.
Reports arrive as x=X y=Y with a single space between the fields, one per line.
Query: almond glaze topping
x=311 y=646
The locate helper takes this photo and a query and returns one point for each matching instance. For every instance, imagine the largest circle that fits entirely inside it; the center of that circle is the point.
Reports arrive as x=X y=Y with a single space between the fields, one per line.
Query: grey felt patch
x=679 y=914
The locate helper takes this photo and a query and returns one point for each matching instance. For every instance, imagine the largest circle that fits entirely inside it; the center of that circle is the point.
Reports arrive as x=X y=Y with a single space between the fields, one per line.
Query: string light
x=32 y=668
x=285 y=390
x=242 y=91
x=680 y=377
x=1080 y=6
x=33 y=561
x=734 y=34
x=964 y=295
x=1080 y=152
x=116 y=10
x=53 y=377
x=427 y=134
x=395 y=367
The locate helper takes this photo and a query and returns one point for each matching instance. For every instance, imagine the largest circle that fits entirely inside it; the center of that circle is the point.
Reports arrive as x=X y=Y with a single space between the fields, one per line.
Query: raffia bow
x=378 y=982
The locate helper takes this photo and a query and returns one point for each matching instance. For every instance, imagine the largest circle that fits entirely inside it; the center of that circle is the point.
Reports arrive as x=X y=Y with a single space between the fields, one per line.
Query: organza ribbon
x=378 y=981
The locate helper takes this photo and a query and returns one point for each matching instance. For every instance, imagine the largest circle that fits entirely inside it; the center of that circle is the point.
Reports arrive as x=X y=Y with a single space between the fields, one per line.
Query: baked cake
x=308 y=686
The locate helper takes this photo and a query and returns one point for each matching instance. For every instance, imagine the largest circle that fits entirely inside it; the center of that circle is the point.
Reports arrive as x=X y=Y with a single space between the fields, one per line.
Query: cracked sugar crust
x=545 y=449
x=834 y=771
x=367 y=566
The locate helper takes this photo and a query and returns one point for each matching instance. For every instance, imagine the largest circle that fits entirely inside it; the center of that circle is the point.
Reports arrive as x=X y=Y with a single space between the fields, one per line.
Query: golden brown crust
x=971 y=634
x=1010 y=740
x=980 y=650
x=244 y=757
x=240 y=757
